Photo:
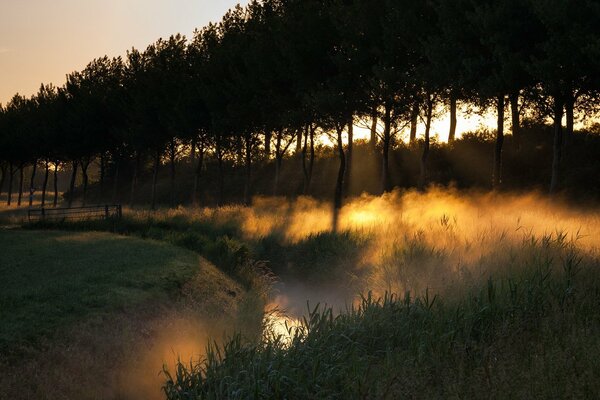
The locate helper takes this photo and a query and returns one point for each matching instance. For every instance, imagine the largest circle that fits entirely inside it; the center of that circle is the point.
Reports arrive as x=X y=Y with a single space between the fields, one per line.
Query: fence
x=75 y=213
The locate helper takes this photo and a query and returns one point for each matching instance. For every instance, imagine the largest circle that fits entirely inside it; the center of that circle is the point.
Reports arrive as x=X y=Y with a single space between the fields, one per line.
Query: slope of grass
x=49 y=280
x=233 y=236
x=89 y=315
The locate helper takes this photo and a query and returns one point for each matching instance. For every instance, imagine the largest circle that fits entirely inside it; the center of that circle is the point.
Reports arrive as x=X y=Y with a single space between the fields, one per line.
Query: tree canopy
x=271 y=74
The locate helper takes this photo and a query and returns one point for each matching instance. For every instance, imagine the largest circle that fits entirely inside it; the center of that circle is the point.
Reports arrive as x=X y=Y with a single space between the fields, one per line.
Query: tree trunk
x=558 y=144
x=155 y=178
x=414 y=117
x=453 y=119
x=278 y=162
x=350 y=151
x=221 y=177
x=570 y=114
x=55 y=199
x=172 y=154
x=239 y=150
x=45 y=184
x=3 y=179
x=84 y=172
x=308 y=169
x=198 y=175
x=193 y=151
x=11 y=174
x=268 y=138
x=298 y=144
x=248 y=165
x=115 y=194
x=497 y=175
x=21 y=179
x=386 y=184
x=516 y=120
x=72 y=183
x=426 y=144
x=373 y=139
x=338 y=196
x=304 y=153
x=311 y=160
x=32 y=183
x=278 y=165
x=102 y=172
x=134 y=179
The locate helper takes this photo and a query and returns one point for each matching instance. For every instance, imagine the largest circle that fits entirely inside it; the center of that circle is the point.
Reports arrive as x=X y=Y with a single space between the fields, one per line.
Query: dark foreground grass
x=534 y=334
x=96 y=316
x=530 y=330
x=50 y=280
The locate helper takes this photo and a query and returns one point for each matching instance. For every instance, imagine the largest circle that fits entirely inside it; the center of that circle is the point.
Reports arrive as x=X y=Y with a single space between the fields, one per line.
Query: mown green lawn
x=49 y=280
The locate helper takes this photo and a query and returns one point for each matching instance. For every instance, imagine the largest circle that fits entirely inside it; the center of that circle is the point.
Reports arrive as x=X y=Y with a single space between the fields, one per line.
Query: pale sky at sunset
x=43 y=40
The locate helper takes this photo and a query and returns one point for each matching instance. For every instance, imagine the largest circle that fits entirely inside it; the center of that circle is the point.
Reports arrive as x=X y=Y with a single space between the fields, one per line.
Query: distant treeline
x=273 y=76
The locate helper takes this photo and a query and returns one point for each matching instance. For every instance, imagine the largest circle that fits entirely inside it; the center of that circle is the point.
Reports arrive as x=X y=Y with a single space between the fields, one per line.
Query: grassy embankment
x=50 y=279
x=95 y=315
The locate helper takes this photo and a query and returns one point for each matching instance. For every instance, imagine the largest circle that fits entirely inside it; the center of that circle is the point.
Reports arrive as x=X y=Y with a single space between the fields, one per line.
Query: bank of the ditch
x=535 y=335
x=80 y=312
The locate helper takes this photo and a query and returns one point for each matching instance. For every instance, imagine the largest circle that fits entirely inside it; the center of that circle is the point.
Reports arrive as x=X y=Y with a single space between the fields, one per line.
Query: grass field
x=95 y=315
x=50 y=279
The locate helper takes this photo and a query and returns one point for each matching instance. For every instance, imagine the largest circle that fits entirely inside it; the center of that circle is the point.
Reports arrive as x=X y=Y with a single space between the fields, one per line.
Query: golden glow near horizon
x=467 y=121
x=41 y=41
x=440 y=126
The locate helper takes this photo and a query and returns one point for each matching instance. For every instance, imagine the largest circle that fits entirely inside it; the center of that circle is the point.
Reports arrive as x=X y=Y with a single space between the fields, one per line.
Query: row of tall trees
x=272 y=76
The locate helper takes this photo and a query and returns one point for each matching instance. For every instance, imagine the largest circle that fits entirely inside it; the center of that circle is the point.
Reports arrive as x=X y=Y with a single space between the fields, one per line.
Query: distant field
x=51 y=279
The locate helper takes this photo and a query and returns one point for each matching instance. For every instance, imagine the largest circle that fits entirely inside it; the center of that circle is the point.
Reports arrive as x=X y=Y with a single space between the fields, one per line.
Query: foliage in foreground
x=531 y=333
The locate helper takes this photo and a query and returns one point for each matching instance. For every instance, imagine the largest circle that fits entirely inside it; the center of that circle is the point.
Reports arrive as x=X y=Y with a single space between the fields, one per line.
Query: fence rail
x=75 y=213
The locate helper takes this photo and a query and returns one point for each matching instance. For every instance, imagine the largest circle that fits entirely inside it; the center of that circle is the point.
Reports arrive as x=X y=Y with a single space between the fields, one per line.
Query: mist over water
x=439 y=241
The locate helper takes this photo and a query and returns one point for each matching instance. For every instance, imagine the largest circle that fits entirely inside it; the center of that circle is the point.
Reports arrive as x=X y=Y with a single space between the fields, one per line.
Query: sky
x=41 y=41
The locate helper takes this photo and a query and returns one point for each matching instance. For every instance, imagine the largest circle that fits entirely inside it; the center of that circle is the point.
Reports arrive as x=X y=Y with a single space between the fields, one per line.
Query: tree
x=91 y=117
x=19 y=149
x=393 y=86
x=3 y=145
x=339 y=97
x=46 y=132
x=566 y=61
x=168 y=70
x=413 y=25
x=198 y=111
x=509 y=34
